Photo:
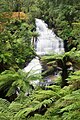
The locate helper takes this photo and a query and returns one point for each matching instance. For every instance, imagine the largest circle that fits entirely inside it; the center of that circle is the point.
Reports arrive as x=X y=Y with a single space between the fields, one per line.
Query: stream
x=47 y=43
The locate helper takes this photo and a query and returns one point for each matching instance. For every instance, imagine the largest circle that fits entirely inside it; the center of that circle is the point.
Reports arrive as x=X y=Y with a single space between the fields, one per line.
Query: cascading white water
x=47 y=43
x=34 y=67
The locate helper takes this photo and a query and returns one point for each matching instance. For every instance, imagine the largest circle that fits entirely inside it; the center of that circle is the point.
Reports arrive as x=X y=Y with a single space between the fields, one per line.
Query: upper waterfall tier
x=47 y=42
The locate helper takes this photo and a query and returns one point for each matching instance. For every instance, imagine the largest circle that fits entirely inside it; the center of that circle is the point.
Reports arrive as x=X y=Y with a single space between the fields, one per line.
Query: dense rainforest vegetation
x=19 y=100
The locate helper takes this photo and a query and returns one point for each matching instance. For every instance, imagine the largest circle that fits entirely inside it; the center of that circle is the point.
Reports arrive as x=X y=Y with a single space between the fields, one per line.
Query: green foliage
x=10 y=81
x=60 y=15
x=4 y=110
x=74 y=79
x=73 y=56
x=15 y=50
x=56 y=103
x=47 y=104
x=63 y=63
x=12 y=5
x=15 y=45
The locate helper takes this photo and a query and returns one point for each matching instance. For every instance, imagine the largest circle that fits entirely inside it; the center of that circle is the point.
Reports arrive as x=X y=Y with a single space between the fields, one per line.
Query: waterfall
x=34 y=67
x=47 y=43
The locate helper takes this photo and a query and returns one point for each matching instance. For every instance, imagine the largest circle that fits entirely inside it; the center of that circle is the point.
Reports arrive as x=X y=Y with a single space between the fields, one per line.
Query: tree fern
x=10 y=81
